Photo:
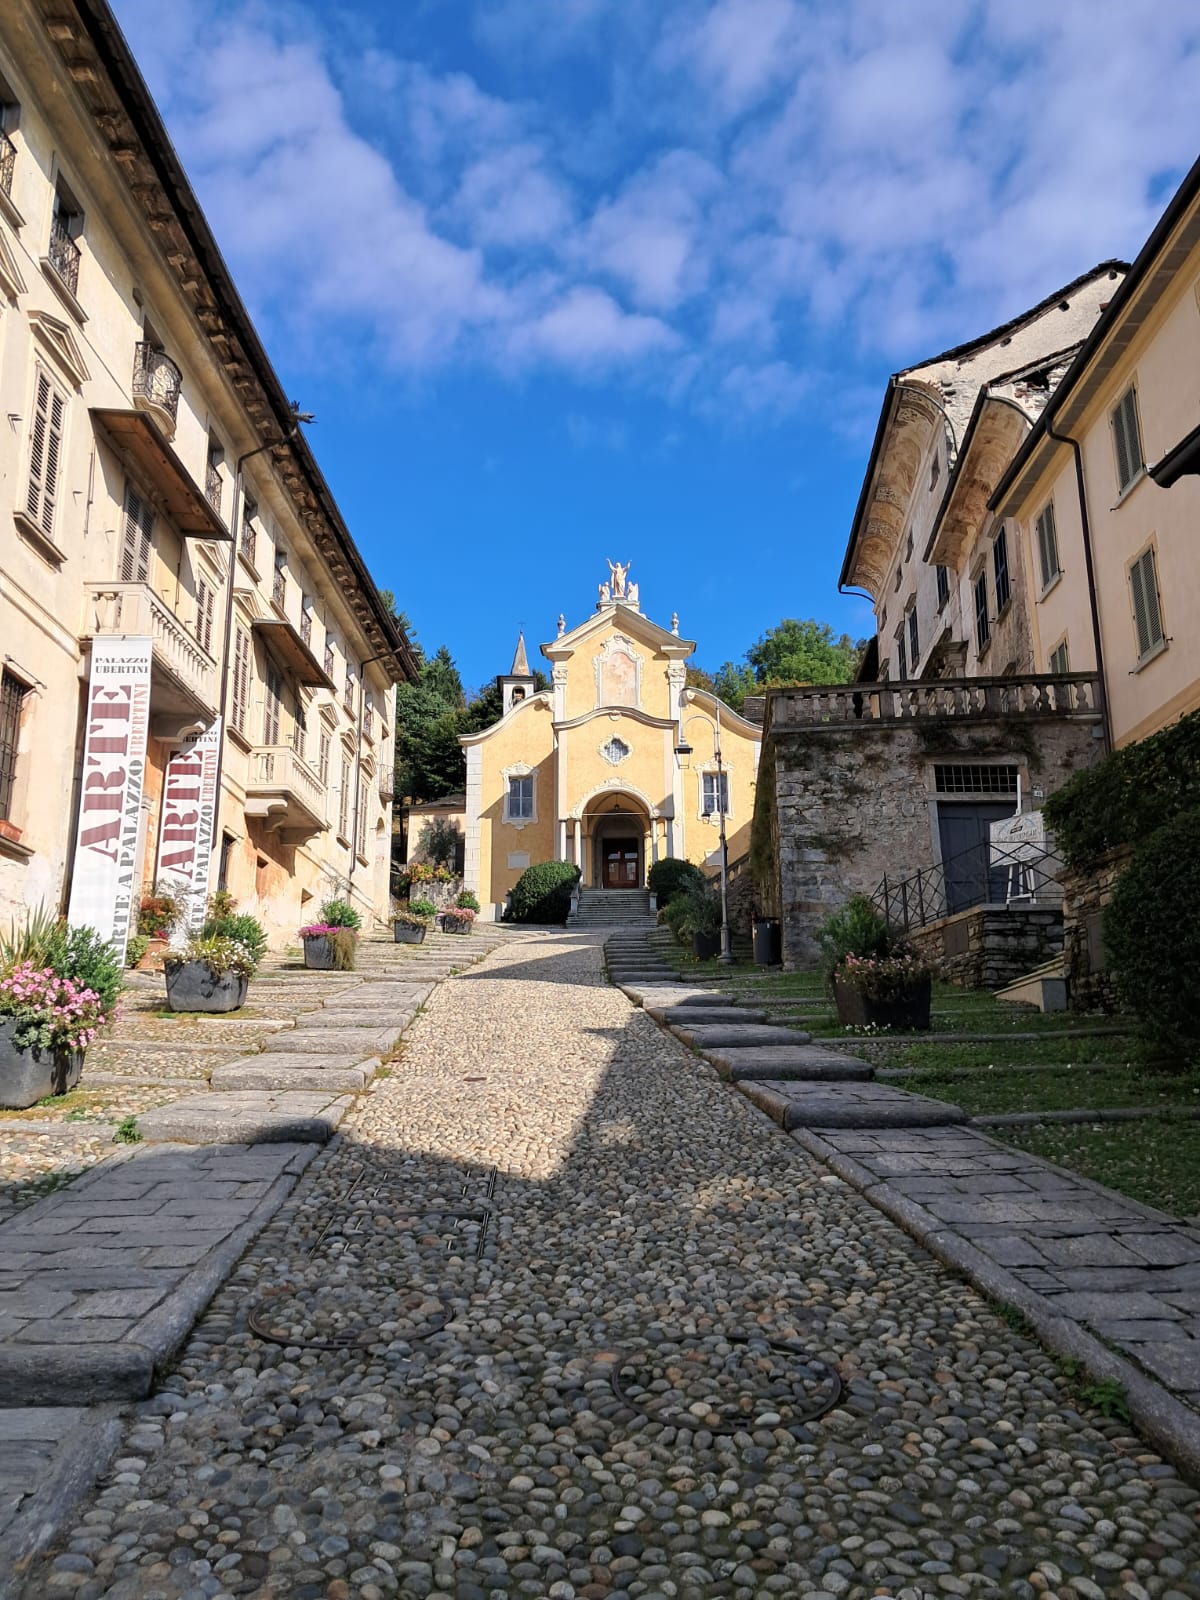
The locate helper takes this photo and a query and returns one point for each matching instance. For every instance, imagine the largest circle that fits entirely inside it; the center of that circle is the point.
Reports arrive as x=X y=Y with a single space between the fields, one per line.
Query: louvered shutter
x=135 y=550
x=1147 y=611
x=204 y=615
x=45 y=452
x=344 y=800
x=241 y=679
x=1127 y=438
x=1047 y=545
x=271 y=709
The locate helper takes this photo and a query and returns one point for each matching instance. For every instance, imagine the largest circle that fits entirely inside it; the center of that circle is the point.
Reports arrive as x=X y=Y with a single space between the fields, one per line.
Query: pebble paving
x=558 y=1315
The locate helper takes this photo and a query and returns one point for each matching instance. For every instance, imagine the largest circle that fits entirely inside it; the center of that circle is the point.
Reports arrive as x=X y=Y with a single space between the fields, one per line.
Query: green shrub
x=1152 y=933
x=671 y=876
x=93 y=961
x=700 y=910
x=423 y=908
x=218 y=951
x=543 y=892
x=241 y=926
x=674 y=915
x=467 y=901
x=340 y=914
x=857 y=929
x=135 y=948
x=1133 y=792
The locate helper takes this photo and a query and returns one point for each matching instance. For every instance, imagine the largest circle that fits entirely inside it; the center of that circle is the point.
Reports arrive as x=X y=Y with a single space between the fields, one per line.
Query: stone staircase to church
x=613 y=908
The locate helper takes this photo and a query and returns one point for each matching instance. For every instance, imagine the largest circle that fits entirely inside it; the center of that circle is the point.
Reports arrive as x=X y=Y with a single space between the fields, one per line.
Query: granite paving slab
x=714 y=1016
x=49 y=1458
x=247 y=1116
x=804 y=1062
x=757 y=1036
x=356 y=1043
x=1066 y=1251
x=373 y=1016
x=847 y=1105
x=102 y=1281
x=296 y=1072
x=668 y=995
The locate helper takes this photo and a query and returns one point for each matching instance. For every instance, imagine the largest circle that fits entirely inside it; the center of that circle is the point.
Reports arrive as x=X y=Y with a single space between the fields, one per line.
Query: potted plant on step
x=331 y=942
x=211 y=973
x=58 y=987
x=410 y=927
x=876 y=978
x=696 y=917
x=157 y=916
x=458 y=919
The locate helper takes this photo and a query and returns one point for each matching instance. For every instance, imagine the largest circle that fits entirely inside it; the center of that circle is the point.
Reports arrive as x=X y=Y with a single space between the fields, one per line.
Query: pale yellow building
x=197 y=675
x=1106 y=492
x=587 y=771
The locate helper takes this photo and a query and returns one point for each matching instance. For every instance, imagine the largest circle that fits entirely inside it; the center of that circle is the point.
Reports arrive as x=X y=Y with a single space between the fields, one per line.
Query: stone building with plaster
x=587 y=771
x=197 y=676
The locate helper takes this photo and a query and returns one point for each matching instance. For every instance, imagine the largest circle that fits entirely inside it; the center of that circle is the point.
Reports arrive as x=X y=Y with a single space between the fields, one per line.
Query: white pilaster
x=471 y=862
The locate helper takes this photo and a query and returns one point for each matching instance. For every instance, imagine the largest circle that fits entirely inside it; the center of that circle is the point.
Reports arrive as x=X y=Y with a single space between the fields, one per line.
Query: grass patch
x=128 y=1131
x=916 y=1050
x=1152 y=1161
x=77 y=1105
x=1071 y=1088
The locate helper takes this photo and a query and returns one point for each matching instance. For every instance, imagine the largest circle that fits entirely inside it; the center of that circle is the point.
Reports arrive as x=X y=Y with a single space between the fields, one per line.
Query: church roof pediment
x=606 y=713
x=623 y=620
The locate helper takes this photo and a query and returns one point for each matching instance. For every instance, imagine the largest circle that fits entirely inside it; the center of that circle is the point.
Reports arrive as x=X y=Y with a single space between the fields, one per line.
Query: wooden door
x=620 y=864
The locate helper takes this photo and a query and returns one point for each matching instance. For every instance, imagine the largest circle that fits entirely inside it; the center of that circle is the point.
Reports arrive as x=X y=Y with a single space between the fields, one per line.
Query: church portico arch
x=616 y=836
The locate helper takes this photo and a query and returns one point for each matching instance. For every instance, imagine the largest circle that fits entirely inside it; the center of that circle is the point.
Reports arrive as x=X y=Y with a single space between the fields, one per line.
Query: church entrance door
x=621 y=864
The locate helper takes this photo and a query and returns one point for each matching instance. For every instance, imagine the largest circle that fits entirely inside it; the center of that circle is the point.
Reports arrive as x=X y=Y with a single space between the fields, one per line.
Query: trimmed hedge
x=1153 y=937
x=672 y=876
x=543 y=892
x=1131 y=794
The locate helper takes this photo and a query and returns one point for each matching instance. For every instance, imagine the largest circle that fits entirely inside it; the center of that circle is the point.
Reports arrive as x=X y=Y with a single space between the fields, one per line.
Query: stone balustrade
x=133 y=609
x=1075 y=694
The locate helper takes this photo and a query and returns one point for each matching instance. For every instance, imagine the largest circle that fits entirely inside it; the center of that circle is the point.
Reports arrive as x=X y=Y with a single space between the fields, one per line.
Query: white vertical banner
x=189 y=814
x=110 y=799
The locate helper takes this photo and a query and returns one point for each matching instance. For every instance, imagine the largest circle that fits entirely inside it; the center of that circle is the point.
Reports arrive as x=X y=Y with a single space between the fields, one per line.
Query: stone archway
x=615 y=841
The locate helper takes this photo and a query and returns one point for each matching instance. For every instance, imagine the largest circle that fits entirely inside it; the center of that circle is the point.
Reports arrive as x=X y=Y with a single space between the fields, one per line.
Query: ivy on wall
x=1130 y=794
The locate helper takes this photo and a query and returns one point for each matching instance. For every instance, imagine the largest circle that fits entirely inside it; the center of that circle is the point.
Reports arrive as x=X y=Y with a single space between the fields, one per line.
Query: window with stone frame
x=1060 y=662
x=323 y=748
x=205 y=604
x=914 y=636
x=901 y=655
x=943 y=587
x=272 y=706
x=714 y=793
x=137 y=537
x=12 y=699
x=242 y=654
x=518 y=799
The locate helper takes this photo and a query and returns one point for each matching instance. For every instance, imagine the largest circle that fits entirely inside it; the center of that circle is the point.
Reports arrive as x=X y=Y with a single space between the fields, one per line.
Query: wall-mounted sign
x=189 y=808
x=110 y=800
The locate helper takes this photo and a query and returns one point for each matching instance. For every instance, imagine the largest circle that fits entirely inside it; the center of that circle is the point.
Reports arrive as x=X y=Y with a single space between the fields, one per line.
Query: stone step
x=704 y=1037
x=797 y=1063
x=848 y=1105
x=335 y=1074
x=714 y=1016
x=356 y=1043
x=274 y=1116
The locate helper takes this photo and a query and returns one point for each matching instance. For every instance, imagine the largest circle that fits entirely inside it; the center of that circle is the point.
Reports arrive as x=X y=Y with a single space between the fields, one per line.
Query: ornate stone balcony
x=184 y=675
x=1075 y=695
x=285 y=793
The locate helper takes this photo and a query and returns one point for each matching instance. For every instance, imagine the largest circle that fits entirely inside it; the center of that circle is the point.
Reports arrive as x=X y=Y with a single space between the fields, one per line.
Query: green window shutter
x=1127 y=438
x=1048 y=545
x=1147 y=608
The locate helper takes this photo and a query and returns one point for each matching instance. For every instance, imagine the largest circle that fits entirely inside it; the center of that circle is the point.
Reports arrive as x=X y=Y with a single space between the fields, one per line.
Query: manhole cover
x=736 y=1386
x=312 y=1316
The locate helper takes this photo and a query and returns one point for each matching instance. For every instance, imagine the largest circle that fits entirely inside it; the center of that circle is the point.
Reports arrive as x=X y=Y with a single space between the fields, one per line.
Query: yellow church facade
x=589 y=770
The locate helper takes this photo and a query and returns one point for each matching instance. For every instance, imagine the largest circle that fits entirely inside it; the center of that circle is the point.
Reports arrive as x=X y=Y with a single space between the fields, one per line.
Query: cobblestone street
x=496 y=1344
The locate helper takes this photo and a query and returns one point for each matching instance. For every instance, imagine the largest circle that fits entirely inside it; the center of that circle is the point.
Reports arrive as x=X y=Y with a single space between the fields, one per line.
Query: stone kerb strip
x=999 y=1246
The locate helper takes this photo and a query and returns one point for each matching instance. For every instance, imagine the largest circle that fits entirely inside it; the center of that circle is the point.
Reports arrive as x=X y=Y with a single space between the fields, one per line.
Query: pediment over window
x=57 y=340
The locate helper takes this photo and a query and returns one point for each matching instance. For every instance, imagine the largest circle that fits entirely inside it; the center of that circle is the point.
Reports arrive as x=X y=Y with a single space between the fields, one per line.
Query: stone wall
x=1085 y=894
x=989 y=946
x=843 y=804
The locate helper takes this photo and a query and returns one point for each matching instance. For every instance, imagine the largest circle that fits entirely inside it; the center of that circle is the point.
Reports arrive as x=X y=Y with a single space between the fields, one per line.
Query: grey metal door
x=963 y=829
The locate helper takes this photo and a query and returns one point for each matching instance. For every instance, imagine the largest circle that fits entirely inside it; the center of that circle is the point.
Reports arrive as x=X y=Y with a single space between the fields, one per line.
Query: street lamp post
x=682 y=751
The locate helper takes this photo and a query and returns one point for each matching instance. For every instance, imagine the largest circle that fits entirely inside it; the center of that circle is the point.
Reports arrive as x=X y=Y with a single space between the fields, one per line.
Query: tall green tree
x=793 y=652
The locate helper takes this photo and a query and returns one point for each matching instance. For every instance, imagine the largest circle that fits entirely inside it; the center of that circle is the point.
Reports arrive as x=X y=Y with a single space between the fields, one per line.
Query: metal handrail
x=921 y=898
x=156 y=378
x=8 y=160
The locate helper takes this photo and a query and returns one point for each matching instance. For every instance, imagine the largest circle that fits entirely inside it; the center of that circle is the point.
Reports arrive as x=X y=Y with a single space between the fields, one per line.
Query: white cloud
x=588 y=329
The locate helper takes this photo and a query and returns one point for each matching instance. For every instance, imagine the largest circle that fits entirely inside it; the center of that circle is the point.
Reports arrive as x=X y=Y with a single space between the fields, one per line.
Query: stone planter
x=451 y=924
x=406 y=933
x=29 y=1075
x=903 y=1011
x=706 y=946
x=318 y=953
x=193 y=986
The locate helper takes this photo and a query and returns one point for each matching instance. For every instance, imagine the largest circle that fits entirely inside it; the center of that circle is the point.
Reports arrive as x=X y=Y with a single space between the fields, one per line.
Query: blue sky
x=566 y=280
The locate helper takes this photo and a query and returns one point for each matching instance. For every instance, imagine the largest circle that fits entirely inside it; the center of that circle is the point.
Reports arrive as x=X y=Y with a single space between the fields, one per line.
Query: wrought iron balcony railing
x=279 y=588
x=64 y=255
x=8 y=160
x=156 y=379
x=328 y=659
x=306 y=627
x=248 y=543
x=212 y=485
